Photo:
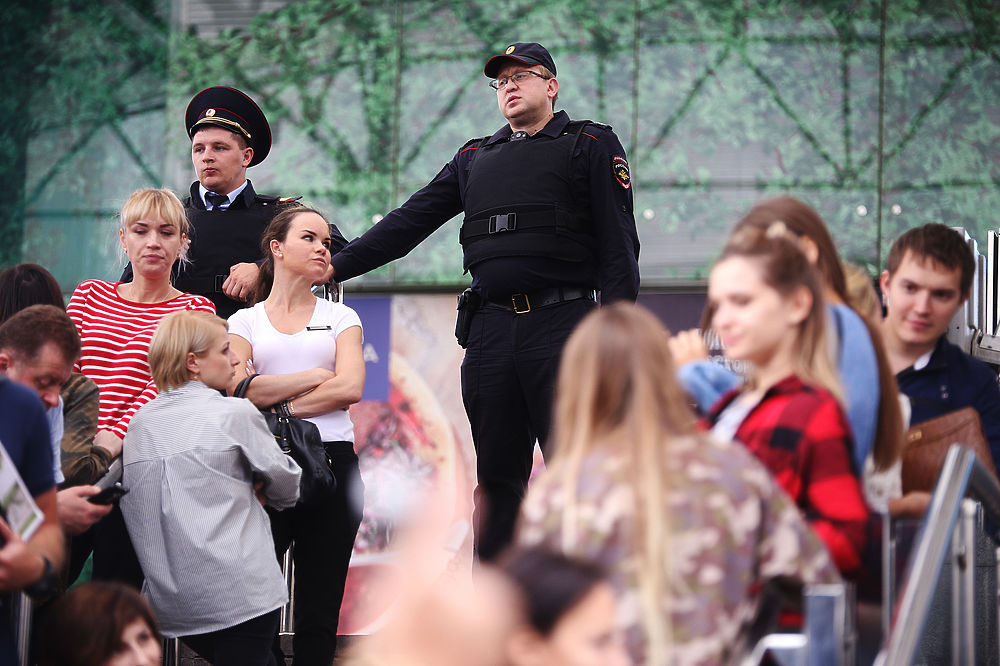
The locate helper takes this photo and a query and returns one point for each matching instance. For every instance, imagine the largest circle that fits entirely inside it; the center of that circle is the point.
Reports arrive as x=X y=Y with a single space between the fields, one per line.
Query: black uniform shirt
x=600 y=182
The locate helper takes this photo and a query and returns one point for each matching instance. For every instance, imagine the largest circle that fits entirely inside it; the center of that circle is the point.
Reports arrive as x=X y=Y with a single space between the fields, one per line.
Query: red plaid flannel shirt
x=801 y=435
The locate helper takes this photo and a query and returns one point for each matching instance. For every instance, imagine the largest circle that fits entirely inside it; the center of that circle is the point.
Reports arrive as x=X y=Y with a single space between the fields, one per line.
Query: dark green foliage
x=718 y=104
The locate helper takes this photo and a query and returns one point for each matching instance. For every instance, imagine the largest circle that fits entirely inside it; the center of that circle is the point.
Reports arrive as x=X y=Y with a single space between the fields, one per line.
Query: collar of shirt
x=231 y=197
x=553 y=128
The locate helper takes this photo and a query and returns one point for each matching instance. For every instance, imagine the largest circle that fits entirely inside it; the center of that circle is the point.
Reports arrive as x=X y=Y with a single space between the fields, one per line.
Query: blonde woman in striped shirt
x=116 y=321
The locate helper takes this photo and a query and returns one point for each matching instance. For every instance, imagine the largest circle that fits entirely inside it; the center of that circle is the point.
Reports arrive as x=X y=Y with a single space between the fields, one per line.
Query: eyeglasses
x=519 y=79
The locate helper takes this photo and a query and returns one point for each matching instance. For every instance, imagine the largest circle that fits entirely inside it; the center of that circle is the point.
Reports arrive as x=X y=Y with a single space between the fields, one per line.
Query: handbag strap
x=241 y=391
x=241 y=388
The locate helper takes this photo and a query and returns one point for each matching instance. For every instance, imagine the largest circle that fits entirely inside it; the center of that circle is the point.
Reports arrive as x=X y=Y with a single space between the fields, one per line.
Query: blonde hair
x=861 y=294
x=785 y=268
x=617 y=392
x=156 y=204
x=180 y=333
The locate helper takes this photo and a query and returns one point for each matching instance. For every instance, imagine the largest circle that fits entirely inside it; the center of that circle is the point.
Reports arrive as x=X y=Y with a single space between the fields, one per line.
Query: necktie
x=216 y=199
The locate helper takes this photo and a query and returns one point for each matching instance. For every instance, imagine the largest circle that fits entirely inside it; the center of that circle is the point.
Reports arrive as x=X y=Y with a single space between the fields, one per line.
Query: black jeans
x=114 y=555
x=244 y=644
x=324 y=538
x=508 y=380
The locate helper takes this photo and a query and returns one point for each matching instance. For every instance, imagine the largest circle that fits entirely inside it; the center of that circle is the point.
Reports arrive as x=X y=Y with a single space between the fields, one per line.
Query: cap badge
x=209 y=113
x=510 y=49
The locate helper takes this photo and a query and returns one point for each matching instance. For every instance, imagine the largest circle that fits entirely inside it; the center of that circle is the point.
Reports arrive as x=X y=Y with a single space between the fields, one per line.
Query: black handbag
x=301 y=440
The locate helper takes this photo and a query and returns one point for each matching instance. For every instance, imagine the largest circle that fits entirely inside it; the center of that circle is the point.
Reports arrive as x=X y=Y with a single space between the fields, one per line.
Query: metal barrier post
x=963 y=572
x=171 y=652
x=287 y=623
x=22 y=626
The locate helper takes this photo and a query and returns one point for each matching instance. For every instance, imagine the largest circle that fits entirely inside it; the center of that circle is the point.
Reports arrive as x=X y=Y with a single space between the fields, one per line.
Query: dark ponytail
x=276 y=230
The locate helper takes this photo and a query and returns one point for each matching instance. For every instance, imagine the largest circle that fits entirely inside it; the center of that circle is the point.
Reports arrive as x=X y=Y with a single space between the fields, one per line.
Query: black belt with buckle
x=533 y=300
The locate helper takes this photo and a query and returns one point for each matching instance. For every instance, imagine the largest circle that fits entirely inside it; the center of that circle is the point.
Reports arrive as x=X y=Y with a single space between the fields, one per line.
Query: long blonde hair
x=617 y=392
x=804 y=222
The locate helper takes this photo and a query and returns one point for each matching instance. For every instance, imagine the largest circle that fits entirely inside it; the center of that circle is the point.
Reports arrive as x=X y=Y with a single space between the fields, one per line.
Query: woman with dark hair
x=27 y=284
x=308 y=353
x=570 y=609
x=101 y=624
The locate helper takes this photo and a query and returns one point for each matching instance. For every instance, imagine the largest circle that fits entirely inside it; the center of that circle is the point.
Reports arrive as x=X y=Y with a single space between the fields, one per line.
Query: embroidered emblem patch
x=619 y=167
x=510 y=49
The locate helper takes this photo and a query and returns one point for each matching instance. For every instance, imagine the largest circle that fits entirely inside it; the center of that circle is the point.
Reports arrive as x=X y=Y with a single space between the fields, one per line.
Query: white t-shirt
x=315 y=346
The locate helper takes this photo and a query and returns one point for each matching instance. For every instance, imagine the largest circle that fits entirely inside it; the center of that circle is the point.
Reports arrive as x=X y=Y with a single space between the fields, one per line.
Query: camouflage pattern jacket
x=733 y=530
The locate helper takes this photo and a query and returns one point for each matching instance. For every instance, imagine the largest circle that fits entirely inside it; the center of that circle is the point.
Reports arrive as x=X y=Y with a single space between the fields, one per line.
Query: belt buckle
x=502 y=222
x=521 y=303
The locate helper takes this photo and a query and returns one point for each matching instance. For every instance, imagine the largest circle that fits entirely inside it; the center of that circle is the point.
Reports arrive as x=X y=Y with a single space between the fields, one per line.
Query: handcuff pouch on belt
x=468 y=302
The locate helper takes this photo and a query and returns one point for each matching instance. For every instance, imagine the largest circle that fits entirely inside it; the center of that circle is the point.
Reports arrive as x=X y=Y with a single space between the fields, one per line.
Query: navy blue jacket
x=951 y=380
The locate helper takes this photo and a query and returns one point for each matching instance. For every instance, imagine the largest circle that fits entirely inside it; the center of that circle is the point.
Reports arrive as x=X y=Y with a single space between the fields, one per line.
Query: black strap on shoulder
x=574 y=127
x=241 y=388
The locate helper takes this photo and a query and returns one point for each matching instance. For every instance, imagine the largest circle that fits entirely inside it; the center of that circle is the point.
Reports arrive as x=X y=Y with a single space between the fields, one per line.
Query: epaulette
x=268 y=200
x=472 y=143
x=572 y=125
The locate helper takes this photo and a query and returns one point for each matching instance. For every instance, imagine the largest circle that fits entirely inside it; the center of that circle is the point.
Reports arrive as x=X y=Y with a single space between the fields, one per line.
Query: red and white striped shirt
x=115 y=335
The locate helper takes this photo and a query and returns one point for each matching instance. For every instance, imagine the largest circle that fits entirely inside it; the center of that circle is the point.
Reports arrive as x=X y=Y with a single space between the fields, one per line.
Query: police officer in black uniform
x=548 y=226
x=229 y=133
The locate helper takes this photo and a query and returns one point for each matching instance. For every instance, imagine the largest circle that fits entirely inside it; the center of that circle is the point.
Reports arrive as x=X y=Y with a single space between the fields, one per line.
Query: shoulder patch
x=619 y=167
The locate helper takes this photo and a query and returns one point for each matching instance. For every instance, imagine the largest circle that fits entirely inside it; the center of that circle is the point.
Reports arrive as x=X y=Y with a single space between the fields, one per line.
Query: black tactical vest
x=520 y=203
x=220 y=239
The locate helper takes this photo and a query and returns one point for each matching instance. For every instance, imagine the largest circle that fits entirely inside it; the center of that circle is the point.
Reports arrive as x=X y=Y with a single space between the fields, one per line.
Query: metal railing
x=828 y=632
x=949 y=528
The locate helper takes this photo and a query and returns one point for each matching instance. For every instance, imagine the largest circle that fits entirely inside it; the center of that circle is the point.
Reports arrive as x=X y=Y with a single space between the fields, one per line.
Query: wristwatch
x=47 y=584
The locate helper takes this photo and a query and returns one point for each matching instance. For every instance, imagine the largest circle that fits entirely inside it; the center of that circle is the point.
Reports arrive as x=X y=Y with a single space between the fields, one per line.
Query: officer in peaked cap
x=228 y=133
x=548 y=223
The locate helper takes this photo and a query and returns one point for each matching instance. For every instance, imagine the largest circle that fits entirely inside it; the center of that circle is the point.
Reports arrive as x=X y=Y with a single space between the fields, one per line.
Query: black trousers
x=245 y=644
x=324 y=538
x=508 y=380
x=114 y=555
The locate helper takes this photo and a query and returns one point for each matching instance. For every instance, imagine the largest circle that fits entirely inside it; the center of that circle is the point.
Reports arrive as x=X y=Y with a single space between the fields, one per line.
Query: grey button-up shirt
x=203 y=540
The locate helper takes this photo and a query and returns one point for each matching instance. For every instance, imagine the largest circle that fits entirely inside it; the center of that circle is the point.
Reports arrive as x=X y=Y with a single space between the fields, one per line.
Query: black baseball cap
x=526 y=53
x=232 y=110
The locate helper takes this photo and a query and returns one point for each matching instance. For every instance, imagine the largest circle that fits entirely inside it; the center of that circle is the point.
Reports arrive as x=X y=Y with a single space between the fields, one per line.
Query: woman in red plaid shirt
x=766 y=304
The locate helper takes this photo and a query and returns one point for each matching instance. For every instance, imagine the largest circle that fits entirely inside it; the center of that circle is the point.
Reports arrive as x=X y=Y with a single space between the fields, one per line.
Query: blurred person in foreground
x=439 y=616
x=570 y=612
x=689 y=527
x=31 y=564
x=101 y=624
x=193 y=460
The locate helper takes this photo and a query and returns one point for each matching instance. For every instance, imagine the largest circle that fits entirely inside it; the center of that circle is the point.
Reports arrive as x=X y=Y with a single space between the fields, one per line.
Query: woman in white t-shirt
x=307 y=352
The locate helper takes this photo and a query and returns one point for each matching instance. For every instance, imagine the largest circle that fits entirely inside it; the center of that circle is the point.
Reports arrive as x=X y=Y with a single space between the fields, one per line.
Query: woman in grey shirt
x=199 y=466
